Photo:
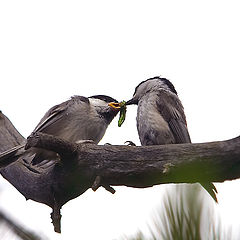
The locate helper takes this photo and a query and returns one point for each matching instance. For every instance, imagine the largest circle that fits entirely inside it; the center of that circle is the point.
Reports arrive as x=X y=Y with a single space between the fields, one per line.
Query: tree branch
x=83 y=166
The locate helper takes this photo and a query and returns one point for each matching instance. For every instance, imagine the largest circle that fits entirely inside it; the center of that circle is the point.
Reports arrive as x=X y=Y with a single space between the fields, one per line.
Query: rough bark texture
x=88 y=165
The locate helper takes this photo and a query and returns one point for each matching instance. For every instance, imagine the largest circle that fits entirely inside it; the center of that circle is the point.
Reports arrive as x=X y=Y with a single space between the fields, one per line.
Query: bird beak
x=114 y=105
x=132 y=101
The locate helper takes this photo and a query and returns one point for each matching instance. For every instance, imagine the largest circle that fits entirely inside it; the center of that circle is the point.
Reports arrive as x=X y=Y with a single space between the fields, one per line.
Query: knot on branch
x=167 y=167
x=98 y=183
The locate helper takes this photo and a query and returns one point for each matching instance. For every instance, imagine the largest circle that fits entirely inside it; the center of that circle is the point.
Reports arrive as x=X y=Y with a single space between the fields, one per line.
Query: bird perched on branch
x=75 y=120
x=161 y=118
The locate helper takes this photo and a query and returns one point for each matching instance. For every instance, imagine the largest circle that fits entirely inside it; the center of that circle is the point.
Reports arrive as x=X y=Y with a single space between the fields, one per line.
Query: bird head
x=102 y=104
x=150 y=85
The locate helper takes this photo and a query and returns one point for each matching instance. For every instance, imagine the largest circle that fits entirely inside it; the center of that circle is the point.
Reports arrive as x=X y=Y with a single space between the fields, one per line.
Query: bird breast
x=152 y=128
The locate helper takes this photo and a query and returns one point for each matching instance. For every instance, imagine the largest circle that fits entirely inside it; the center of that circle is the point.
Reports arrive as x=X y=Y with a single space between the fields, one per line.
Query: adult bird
x=76 y=120
x=161 y=118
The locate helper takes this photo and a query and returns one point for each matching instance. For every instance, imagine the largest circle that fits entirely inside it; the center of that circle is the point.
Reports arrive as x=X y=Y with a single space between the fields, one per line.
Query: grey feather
x=56 y=113
x=161 y=118
x=77 y=119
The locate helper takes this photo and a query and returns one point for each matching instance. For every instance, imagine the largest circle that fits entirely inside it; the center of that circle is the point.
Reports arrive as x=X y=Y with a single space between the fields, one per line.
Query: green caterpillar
x=123 y=111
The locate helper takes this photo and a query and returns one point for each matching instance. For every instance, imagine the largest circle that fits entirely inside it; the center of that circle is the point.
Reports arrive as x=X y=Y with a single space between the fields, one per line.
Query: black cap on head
x=164 y=80
x=105 y=98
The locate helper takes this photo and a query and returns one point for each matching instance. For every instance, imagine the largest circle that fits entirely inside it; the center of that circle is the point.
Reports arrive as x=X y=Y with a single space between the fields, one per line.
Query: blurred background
x=51 y=50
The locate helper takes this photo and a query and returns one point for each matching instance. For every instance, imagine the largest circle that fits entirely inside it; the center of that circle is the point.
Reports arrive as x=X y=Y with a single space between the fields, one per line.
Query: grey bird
x=76 y=120
x=161 y=118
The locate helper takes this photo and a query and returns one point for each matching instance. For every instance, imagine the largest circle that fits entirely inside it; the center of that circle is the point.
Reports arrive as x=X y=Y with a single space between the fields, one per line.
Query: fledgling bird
x=75 y=120
x=161 y=118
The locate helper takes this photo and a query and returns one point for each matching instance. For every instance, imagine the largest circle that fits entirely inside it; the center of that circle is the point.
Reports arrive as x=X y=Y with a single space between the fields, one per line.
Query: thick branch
x=151 y=165
x=88 y=165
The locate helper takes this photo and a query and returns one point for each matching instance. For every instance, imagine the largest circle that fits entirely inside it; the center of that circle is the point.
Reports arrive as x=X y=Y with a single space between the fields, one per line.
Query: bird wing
x=171 y=109
x=48 y=125
x=57 y=112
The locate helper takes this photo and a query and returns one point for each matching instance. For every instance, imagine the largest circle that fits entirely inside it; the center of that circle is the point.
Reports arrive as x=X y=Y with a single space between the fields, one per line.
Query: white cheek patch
x=97 y=102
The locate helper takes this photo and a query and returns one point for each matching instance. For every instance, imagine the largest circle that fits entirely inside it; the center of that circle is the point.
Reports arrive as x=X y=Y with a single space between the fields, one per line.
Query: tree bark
x=87 y=165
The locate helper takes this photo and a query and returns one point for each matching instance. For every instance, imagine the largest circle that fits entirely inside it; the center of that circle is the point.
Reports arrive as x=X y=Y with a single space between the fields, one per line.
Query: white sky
x=51 y=50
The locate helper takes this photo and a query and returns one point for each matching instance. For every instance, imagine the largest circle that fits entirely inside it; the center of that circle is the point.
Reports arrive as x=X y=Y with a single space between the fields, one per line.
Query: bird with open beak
x=76 y=120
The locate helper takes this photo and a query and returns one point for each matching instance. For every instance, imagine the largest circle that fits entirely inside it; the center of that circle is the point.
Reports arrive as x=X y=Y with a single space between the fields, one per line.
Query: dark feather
x=105 y=98
x=164 y=80
x=171 y=109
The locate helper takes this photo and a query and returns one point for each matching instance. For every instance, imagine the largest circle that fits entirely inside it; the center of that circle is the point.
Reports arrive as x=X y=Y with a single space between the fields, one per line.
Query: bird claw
x=130 y=143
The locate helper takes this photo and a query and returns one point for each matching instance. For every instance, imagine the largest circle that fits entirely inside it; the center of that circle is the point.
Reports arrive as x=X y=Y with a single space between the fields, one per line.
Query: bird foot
x=130 y=143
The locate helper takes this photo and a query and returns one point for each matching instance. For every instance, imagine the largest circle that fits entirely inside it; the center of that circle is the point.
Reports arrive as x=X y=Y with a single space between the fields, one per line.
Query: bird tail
x=11 y=155
x=211 y=189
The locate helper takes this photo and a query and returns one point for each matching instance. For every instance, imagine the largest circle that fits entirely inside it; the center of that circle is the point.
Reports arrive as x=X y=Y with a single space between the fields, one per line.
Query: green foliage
x=185 y=216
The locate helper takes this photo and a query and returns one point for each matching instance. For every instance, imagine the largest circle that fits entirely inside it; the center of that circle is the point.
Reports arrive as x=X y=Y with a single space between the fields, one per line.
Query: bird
x=76 y=120
x=161 y=118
